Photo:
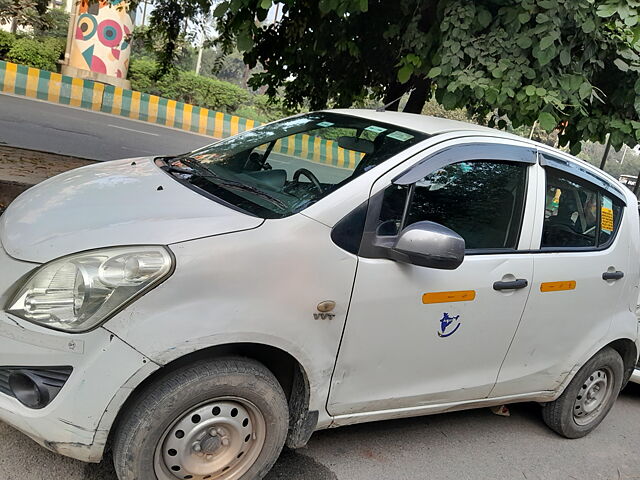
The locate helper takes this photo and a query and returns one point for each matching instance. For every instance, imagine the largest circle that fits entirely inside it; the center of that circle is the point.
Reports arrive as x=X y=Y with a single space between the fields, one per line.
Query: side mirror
x=429 y=244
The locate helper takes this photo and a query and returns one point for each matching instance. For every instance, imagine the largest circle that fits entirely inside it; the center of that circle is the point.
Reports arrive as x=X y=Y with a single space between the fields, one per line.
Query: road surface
x=470 y=445
x=50 y=127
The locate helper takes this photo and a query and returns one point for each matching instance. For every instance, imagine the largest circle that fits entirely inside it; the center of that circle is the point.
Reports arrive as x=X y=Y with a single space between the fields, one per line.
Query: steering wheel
x=254 y=159
x=309 y=174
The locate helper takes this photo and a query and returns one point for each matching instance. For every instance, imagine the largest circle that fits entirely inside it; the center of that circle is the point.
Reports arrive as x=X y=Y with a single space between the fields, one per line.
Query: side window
x=482 y=201
x=577 y=214
x=610 y=216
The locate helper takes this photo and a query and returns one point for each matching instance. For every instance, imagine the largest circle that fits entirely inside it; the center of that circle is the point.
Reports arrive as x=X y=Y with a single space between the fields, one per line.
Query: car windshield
x=281 y=168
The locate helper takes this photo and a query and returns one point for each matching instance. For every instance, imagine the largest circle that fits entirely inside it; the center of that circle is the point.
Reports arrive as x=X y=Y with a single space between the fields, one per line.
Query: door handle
x=515 y=285
x=612 y=275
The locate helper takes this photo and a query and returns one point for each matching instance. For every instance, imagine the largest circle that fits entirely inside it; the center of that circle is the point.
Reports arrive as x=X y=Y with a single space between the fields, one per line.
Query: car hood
x=124 y=202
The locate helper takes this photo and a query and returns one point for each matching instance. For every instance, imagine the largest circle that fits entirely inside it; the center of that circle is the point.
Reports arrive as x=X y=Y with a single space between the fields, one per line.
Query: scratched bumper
x=102 y=364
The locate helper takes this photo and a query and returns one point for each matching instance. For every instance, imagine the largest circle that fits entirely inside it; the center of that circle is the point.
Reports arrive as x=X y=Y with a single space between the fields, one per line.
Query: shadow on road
x=290 y=466
x=379 y=443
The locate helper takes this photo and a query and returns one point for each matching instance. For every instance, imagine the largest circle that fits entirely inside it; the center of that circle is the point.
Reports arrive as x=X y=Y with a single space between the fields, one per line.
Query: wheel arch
x=629 y=353
x=287 y=369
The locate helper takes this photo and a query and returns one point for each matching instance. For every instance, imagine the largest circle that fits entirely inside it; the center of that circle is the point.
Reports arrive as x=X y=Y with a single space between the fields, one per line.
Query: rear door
x=579 y=278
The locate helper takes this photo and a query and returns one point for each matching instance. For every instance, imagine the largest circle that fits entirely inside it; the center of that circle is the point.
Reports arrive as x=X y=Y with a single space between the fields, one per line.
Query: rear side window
x=610 y=216
x=482 y=201
x=577 y=214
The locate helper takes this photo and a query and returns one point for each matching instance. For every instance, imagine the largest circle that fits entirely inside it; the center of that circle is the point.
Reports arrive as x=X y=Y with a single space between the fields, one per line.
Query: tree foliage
x=186 y=86
x=566 y=64
x=23 y=13
x=43 y=54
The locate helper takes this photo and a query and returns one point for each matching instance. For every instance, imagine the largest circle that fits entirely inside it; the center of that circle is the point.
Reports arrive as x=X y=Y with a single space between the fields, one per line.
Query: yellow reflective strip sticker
x=446 y=297
x=558 y=286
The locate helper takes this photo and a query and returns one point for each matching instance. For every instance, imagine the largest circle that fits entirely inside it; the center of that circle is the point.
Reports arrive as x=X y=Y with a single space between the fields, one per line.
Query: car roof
x=422 y=123
x=435 y=126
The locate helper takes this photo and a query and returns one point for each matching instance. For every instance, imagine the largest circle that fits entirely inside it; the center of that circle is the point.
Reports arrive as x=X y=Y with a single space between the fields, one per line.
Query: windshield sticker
x=375 y=129
x=606 y=218
x=445 y=322
x=326 y=124
x=403 y=137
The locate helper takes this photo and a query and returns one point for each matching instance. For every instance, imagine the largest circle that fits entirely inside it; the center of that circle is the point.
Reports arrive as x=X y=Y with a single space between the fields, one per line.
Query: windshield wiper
x=246 y=188
x=196 y=168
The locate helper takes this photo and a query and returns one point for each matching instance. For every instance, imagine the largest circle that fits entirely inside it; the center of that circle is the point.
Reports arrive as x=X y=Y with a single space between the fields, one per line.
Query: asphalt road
x=49 y=127
x=470 y=445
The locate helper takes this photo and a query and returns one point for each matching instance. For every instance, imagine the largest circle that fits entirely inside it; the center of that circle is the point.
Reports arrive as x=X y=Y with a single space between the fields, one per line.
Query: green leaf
x=484 y=18
x=546 y=55
x=434 y=72
x=221 y=9
x=449 y=100
x=621 y=64
x=588 y=26
x=524 y=18
x=245 y=42
x=530 y=90
x=546 y=42
x=542 y=18
x=326 y=6
x=404 y=74
x=585 y=90
x=547 y=121
x=541 y=92
x=266 y=4
x=565 y=57
x=636 y=87
x=364 y=5
x=524 y=42
x=607 y=10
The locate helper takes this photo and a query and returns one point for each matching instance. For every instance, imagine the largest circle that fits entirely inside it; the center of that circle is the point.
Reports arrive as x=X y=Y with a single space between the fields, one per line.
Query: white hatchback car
x=199 y=312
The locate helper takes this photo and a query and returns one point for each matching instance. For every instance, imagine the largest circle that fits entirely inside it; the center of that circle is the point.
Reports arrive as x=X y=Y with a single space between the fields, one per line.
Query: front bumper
x=71 y=424
x=105 y=370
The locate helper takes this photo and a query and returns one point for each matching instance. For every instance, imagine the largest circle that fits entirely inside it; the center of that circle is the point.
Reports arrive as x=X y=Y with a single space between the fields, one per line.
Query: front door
x=418 y=336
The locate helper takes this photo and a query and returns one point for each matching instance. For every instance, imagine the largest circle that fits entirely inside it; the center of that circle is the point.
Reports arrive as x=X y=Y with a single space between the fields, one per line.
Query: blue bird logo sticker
x=445 y=322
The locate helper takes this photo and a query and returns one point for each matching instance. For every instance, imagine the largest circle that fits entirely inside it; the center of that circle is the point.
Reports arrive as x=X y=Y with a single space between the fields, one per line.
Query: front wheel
x=588 y=397
x=224 y=419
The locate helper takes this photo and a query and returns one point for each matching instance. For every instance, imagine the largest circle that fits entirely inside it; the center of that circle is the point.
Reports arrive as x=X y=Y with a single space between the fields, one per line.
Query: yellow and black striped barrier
x=75 y=92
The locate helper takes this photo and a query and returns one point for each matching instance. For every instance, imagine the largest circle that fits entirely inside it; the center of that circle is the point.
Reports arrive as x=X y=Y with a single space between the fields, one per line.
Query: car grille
x=53 y=377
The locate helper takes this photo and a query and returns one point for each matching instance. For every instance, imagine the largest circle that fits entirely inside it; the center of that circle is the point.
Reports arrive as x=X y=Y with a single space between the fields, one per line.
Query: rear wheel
x=223 y=419
x=588 y=397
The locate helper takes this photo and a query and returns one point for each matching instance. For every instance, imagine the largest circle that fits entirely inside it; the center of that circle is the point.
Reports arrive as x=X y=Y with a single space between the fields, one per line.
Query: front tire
x=222 y=419
x=588 y=397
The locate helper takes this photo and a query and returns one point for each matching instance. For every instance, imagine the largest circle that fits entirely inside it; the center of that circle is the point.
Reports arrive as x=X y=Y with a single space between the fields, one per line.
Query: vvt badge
x=445 y=323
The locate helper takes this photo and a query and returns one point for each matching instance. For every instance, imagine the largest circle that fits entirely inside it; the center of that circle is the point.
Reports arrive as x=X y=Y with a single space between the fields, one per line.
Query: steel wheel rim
x=593 y=396
x=217 y=440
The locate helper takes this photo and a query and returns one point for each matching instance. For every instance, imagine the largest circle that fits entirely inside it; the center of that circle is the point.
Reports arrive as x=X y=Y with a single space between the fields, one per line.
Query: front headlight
x=78 y=292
